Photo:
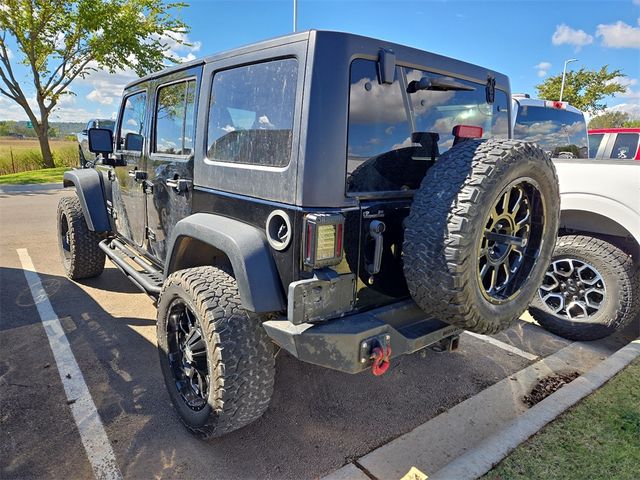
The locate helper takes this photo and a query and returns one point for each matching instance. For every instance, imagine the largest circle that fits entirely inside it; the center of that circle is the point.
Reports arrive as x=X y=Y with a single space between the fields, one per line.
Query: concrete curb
x=468 y=439
x=29 y=188
x=480 y=460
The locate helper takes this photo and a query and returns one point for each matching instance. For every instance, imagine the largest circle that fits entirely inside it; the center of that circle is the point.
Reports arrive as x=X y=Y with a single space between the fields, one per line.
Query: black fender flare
x=246 y=248
x=88 y=183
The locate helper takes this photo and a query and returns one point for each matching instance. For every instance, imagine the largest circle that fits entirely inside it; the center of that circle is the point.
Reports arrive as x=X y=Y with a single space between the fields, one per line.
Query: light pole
x=564 y=73
x=295 y=16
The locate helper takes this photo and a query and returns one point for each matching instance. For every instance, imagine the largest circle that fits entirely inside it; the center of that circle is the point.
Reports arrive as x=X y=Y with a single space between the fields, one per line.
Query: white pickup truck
x=592 y=287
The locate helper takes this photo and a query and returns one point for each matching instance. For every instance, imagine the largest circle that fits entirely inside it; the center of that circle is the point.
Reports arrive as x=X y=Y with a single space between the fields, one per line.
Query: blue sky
x=527 y=40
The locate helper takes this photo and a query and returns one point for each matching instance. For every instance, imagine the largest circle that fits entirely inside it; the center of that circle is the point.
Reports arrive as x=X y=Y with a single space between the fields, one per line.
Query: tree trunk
x=43 y=137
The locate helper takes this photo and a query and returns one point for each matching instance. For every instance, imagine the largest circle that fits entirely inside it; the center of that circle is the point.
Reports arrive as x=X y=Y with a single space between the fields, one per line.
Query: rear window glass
x=394 y=135
x=595 y=139
x=560 y=133
x=625 y=146
x=251 y=114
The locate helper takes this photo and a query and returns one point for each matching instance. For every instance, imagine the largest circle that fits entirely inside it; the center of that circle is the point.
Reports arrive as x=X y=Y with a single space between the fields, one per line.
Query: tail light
x=467 y=131
x=322 y=244
x=555 y=104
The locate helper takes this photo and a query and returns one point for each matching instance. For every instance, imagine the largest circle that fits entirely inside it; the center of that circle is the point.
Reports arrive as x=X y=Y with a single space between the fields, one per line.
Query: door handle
x=137 y=175
x=376 y=229
x=180 y=185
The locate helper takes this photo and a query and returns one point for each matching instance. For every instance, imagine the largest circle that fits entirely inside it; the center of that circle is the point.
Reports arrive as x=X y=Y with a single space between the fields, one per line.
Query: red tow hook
x=381 y=360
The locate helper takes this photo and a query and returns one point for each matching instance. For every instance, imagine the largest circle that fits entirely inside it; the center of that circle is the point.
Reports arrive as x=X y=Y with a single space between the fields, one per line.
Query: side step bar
x=149 y=280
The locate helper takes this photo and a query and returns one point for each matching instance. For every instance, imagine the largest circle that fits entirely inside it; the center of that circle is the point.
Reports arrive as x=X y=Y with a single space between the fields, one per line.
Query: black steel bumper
x=345 y=344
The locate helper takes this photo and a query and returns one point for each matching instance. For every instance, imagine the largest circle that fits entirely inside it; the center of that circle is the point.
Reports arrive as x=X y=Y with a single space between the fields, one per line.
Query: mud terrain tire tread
x=240 y=353
x=86 y=259
x=622 y=280
x=440 y=256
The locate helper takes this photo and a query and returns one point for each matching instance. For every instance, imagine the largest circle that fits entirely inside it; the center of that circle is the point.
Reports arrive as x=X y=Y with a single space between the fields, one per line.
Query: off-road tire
x=83 y=258
x=446 y=225
x=621 y=299
x=240 y=355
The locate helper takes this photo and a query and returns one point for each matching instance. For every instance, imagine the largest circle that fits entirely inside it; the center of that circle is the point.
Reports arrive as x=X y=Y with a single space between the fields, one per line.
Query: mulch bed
x=546 y=386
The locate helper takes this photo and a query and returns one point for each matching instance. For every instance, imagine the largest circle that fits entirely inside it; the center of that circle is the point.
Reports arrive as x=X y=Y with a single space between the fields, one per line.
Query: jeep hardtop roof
x=403 y=52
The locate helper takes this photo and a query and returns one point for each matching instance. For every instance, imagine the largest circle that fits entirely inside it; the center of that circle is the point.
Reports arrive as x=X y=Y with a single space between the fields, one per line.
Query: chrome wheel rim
x=511 y=241
x=573 y=289
x=187 y=354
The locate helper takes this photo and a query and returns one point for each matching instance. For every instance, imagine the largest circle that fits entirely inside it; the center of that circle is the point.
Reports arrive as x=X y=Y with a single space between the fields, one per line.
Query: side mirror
x=100 y=140
x=133 y=142
x=84 y=132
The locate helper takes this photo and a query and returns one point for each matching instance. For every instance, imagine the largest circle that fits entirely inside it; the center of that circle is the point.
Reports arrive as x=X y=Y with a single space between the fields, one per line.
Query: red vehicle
x=614 y=143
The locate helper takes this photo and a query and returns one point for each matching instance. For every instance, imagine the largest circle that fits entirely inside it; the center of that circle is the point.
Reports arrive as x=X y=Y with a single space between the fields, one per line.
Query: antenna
x=295 y=16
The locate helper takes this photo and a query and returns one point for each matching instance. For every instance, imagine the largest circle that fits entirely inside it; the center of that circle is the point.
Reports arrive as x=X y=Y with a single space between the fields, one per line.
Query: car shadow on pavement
x=318 y=419
x=111 y=280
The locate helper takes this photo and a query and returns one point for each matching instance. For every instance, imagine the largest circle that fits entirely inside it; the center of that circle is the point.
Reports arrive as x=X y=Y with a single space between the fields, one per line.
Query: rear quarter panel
x=609 y=188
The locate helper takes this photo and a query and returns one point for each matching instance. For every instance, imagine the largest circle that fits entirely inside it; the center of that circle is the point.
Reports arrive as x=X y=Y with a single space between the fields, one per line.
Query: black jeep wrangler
x=347 y=199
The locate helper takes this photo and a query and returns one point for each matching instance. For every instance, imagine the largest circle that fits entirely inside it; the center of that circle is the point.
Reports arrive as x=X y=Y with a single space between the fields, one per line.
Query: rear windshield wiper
x=437 y=84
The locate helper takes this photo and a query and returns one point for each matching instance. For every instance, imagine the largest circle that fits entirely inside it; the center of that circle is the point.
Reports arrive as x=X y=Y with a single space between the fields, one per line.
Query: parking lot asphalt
x=318 y=419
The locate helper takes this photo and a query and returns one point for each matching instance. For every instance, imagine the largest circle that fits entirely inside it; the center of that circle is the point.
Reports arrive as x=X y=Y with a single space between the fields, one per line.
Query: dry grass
x=26 y=154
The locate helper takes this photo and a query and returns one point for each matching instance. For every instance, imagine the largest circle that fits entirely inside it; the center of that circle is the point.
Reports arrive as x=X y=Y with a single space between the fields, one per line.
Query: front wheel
x=79 y=251
x=590 y=290
x=216 y=358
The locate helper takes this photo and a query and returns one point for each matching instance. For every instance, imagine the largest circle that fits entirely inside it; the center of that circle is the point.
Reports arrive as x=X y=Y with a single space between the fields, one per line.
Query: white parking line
x=504 y=346
x=85 y=414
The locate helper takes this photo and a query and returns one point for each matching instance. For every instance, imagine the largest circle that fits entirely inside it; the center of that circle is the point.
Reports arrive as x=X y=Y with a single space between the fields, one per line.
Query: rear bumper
x=344 y=344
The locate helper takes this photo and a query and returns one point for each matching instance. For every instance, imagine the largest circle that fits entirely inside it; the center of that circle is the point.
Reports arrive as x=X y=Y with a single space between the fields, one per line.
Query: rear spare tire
x=481 y=233
x=590 y=289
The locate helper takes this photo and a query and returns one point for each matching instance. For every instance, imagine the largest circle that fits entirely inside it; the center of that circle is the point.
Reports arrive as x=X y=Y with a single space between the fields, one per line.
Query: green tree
x=609 y=120
x=584 y=89
x=61 y=40
x=631 y=124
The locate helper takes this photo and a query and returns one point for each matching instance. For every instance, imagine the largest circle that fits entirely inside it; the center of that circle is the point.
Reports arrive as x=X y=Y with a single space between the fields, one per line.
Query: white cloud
x=68 y=113
x=619 y=35
x=175 y=46
x=628 y=83
x=107 y=87
x=564 y=34
x=543 y=68
x=633 y=109
x=176 y=42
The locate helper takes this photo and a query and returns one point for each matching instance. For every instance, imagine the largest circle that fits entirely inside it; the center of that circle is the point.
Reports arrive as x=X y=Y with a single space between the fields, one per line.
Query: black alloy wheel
x=188 y=355
x=512 y=237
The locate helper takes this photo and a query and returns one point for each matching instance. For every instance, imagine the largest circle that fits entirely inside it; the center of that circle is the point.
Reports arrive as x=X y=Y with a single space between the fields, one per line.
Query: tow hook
x=377 y=350
x=381 y=360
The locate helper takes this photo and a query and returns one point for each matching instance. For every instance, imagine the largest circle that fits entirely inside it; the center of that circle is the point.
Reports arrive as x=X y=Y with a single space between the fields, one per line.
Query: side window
x=625 y=146
x=131 y=132
x=251 y=114
x=174 y=119
x=595 y=139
